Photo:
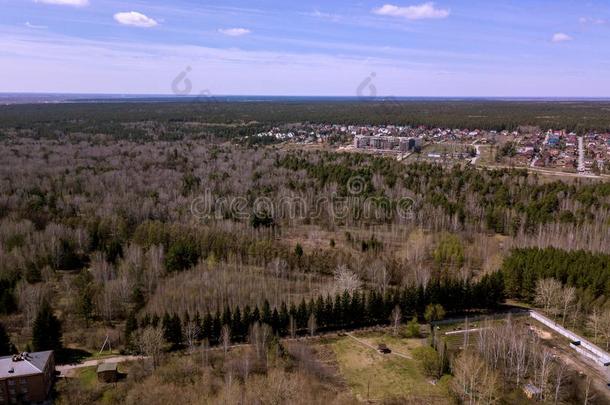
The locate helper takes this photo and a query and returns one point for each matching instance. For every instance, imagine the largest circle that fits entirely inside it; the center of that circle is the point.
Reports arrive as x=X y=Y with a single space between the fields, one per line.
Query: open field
x=374 y=376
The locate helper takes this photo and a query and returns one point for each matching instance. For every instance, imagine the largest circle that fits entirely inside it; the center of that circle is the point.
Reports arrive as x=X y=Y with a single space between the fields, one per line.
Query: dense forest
x=128 y=227
x=159 y=119
x=158 y=244
x=343 y=311
x=589 y=273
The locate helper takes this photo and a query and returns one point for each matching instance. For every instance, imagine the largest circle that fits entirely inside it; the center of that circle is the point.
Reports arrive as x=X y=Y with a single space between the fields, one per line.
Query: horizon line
x=134 y=96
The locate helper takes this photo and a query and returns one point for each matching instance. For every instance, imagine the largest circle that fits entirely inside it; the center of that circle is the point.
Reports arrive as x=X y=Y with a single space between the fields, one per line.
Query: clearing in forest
x=375 y=376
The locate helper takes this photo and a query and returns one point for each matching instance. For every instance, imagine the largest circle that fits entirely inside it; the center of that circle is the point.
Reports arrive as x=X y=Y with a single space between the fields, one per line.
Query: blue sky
x=502 y=48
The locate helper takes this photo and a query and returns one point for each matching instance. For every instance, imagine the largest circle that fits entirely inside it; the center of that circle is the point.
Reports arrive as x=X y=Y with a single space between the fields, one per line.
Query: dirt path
x=559 y=346
x=370 y=346
x=67 y=369
x=599 y=377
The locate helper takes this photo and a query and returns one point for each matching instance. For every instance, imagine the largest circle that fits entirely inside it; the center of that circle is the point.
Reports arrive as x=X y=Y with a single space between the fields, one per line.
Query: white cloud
x=592 y=21
x=122 y=67
x=34 y=26
x=74 y=3
x=135 y=19
x=561 y=37
x=418 y=12
x=234 y=32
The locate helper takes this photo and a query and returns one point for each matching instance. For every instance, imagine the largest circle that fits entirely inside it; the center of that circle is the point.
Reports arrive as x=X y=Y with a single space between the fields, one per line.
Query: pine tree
x=266 y=313
x=236 y=325
x=166 y=325
x=256 y=315
x=206 y=327
x=46 y=332
x=329 y=319
x=246 y=319
x=302 y=315
x=275 y=320
x=355 y=310
x=226 y=317
x=345 y=308
x=6 y=347
x=145 y=322
x=216 y=327
x=155 y=320
x=131 y=324
x=176 y=332
x=284 y=318
x=319 y=311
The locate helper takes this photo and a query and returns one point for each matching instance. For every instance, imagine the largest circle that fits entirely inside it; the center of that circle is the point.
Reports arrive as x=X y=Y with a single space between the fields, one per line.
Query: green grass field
x=373 y=376
x=87 y=376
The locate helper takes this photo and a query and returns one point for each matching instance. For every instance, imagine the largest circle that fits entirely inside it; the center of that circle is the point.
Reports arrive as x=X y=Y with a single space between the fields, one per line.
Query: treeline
x=129 y=248
x=343 y=311
x=174 y=120
x=502 y=201
x=588 y=272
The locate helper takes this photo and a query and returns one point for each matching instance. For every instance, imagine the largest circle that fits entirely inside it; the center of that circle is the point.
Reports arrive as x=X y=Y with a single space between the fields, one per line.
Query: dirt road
x=67 y=369
x=370 y=346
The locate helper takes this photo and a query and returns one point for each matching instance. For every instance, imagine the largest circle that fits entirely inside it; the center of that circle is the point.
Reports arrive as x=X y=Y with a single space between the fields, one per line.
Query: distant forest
x=227 y=119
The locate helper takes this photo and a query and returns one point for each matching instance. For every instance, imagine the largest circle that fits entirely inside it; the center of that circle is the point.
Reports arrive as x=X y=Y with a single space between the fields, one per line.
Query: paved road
x=581 y=155
x=475 y=159
x=66 y=369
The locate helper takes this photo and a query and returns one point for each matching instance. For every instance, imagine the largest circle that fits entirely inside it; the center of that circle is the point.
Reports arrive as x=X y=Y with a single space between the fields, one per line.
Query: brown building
x=26 y=378
x=107 y=372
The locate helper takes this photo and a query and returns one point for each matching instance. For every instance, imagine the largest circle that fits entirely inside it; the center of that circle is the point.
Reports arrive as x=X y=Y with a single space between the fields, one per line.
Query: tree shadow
x=71 y=356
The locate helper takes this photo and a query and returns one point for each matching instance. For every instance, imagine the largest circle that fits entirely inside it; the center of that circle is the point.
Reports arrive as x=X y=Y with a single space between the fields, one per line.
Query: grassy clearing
x=371 y=375
x=87 y=376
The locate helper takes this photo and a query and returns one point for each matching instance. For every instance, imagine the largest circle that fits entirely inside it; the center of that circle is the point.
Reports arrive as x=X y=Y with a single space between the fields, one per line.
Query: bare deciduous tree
x=345 y=280
x=292 y=327
x=548 y=292
x=312 y=325
x=191 y=331
x=259 y=339
x=225 y=337
x=604 y=327
x=560 y=380
x=396 y=318
x=151 y=343
x=593 y=321
x=566 y=299
x=474 y=381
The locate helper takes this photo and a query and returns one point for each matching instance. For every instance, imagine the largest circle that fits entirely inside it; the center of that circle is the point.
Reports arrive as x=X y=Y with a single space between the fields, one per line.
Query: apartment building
x=26 y=378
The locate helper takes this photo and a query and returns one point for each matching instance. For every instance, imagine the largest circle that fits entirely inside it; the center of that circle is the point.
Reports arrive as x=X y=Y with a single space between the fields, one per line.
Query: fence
x=595 y=353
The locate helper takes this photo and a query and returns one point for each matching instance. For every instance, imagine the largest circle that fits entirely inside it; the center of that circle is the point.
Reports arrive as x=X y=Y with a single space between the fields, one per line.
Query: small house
x=107 y=372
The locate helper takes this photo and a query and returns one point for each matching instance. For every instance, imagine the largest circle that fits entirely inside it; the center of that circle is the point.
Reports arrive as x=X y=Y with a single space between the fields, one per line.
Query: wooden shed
x=107 y=372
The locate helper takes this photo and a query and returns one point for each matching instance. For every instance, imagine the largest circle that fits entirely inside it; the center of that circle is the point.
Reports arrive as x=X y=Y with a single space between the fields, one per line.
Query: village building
x=26 y=378
x=107 y=372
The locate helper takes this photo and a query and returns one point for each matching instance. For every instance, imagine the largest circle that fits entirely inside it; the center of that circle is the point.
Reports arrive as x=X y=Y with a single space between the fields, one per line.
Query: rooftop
x=106 y=367
x=20 y=365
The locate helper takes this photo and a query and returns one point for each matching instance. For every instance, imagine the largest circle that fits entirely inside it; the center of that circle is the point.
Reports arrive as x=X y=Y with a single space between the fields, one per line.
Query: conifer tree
x=6 y=347
x=131 y=324
x=46 y=332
